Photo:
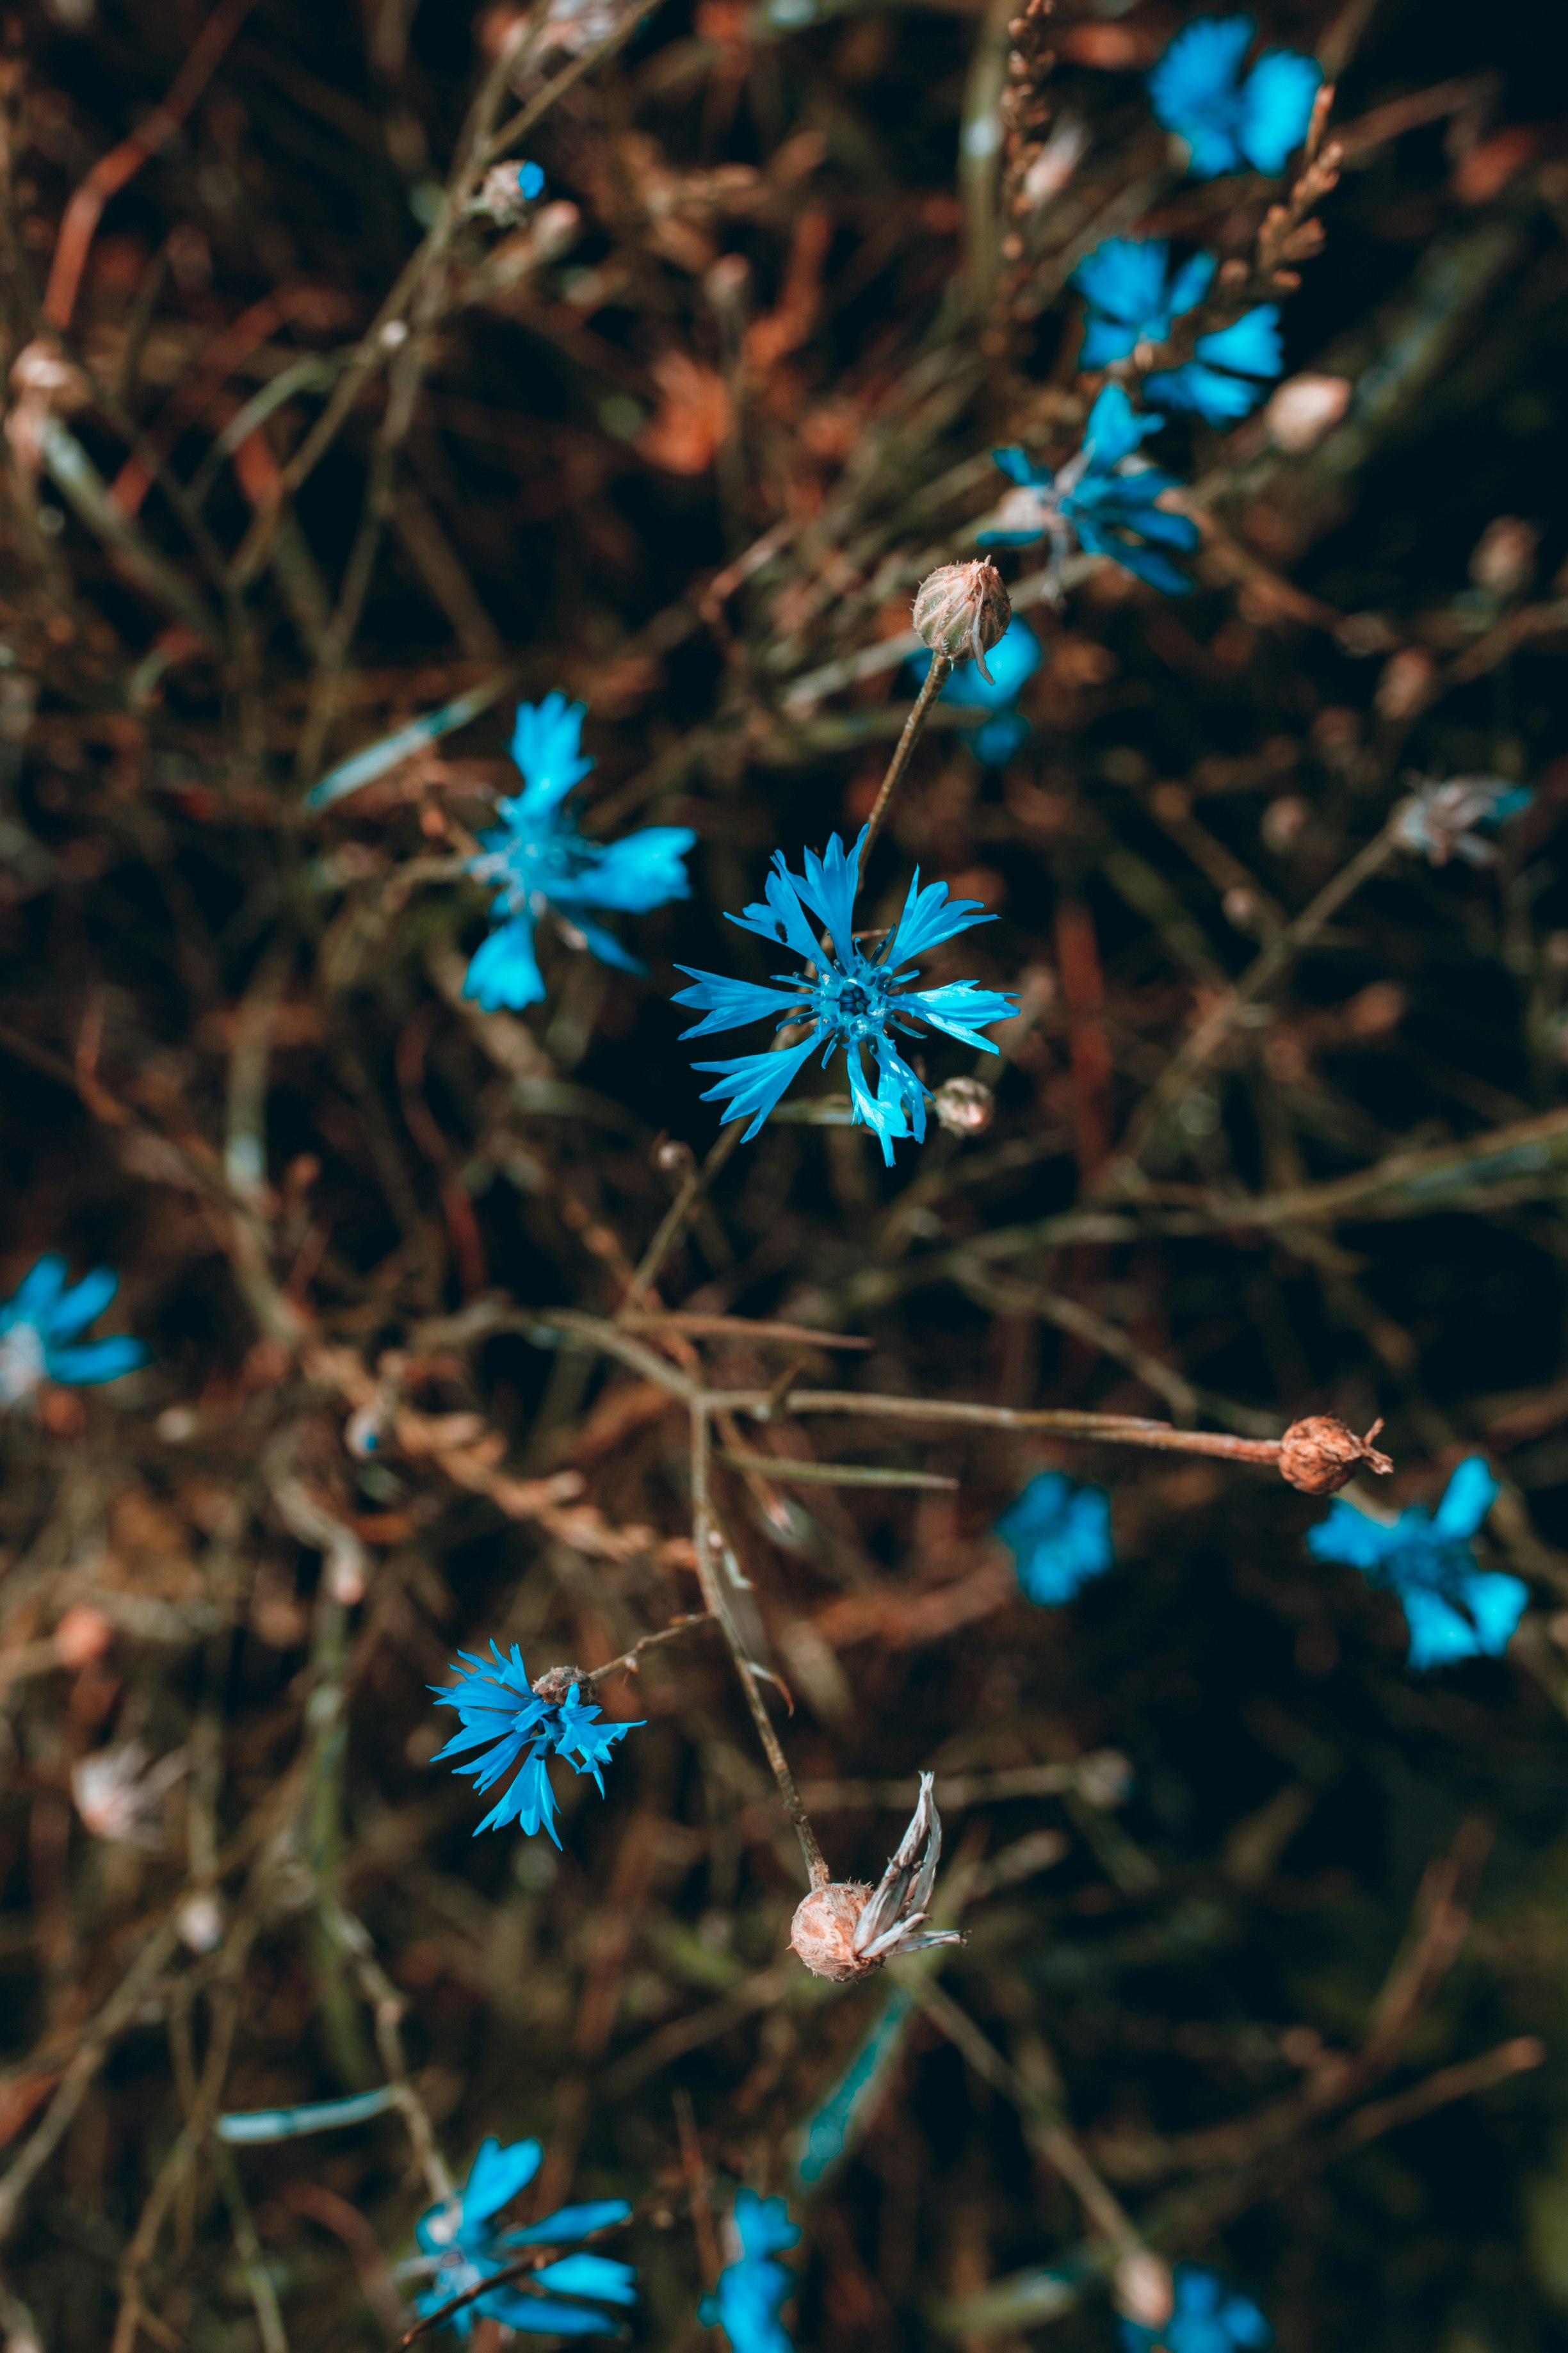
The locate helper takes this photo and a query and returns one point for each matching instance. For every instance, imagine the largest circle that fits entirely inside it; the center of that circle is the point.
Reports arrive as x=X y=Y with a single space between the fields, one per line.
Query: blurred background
x=299 y=449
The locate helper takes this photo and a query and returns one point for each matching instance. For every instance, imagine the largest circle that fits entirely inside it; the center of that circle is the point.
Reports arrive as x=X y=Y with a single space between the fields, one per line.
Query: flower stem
x=935 y=680
x=708 y=1537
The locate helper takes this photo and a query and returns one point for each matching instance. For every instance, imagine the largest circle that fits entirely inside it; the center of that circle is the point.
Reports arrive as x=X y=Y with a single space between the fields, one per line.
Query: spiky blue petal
x=1454 y=1608
x=850 y=1002
x=1276 y=101
x=1097 y=499
x=500 y=1713
x=504 y=970
x=1059 y=1535
x=1218 y=382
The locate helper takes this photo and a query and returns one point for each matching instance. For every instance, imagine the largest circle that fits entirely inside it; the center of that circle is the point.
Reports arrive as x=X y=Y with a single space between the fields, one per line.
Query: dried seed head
x=556 y=1683
x=962 y=608
x=844 y=1930
x=1502 y=562
x=1143 y=2289
x=964 y=1106
x=823 y=1931
x=1320 y=1455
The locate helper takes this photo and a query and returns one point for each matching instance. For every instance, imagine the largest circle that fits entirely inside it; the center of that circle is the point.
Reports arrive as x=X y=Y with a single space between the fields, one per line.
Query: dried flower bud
x=1304 y=409
x=1502 y=563
x=1320 y=1455
x=1143 y=2289
x=964 y=1106
x=823 y=1930
x=962 y=608
x=556 y=1683
x=844 y=1930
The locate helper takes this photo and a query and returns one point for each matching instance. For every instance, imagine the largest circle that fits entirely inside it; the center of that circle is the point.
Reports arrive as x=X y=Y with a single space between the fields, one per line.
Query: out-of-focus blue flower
x=529 y=181
x=1059 y=1535
x=854 y=1002
x=1198 y=90
x=1133 y=297
x=1453 y=1607
x=1012 y=661
x=460 y=2235
x=503 y=1714
x=1438 y=820
x=1228 y=373
x=39 y=1324
x=752 y=2289
x=1209 y=2316
x=1097 y=500
x=539 y=861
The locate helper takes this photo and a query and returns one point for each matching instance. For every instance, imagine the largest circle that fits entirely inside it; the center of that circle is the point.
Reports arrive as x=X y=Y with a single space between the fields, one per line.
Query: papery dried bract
x=962 y=608
x=846 y=1930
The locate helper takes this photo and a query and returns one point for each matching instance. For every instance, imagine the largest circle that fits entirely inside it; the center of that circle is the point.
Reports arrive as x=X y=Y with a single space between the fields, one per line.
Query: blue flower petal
x=75 y=1309
x=546 y=742
x=504 y=970
x=1277 y=102
x=1468 y=1498
x=96 y=1361
x=751 y=1084
x=1059 y=1536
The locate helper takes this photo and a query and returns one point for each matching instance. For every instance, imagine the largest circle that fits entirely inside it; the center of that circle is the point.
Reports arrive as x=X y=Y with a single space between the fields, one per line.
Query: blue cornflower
x=1059 y=1535
x=752 y=2289
x=1453 y=1607
x=1097 y=499
x=504 y=1714
x=1229 y=371
x=1197 y=91
x=1209 y=2315
x=1132 y=296
x=852 y=1000
x=540 y=860
x=529 y=180
x=40 y=1323
x=461 y=2246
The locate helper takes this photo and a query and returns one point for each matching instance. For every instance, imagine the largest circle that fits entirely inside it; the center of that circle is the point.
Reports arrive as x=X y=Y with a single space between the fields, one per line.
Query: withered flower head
x=844 y=1930
x=963 y=608
x=964 y=1106
x=1320 y=1455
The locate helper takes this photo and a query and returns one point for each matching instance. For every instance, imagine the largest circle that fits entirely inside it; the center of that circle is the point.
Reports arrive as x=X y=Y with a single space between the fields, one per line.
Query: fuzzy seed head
x=962 y=609
x=1320 y=1455
x=823 y=1931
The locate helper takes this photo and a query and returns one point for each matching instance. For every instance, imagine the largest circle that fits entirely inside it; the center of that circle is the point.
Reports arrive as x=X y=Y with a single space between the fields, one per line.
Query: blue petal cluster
x=1209 y=2316
x=1134 y=297
x=39 y=1328
x=539 y=861
x=753 y=2290
x=1453 y=1607
x=1230 y=119
x=1001 y=727
x=502 y=1715
x=1097 y=500
x=461 y=2236
x=852 y=1002
x=1059 y=1535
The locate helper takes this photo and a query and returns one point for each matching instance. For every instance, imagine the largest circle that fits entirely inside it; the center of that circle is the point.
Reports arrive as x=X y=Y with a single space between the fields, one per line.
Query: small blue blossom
x=752 y=2289
x=502 y=1713
x=540 y=860
x=1229 y=371
x=1059 y=1535
x=854 y=1002
x=461 y=2246
x=1453 y=1607
x=1012 y=661
x=1098 y=499
x=1198 y=90
x=529 y=181
x=1133 y=297
x=1209 y=2316
x=39 y=1326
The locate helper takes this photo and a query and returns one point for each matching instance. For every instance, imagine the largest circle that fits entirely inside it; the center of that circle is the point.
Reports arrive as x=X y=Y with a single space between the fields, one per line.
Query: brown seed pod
x=1320 y=1455
x=964 y=1106
x=823 y=1931
x=963 y=608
